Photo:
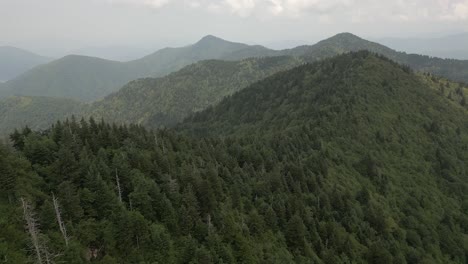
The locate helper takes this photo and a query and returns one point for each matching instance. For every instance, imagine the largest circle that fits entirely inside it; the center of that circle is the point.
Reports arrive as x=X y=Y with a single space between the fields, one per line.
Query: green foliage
x=35 y=112
x=168 y=100
x=455 y=70
x=87 y=78
x=351 y=160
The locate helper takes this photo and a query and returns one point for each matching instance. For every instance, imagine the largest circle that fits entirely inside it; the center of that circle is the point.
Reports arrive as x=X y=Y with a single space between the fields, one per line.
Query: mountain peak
x=211 y=38
x=345 y=37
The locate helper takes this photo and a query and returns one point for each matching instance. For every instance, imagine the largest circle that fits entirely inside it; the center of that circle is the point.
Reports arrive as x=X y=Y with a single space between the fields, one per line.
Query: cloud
x=148 y=3
x=241 y=7
x=356 y=11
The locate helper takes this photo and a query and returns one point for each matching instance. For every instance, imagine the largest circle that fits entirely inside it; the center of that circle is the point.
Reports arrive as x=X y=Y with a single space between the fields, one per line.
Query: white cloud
x=148 y=3
x=241 y=7
x=356 y=11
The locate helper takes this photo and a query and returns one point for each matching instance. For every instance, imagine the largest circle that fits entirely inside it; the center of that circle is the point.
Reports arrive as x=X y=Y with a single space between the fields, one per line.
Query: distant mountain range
x=168 y=100
x=15 y=61
x=453 y=46
x=351 y=159
x=165 y=101
x=116 y=53
x=89 y=79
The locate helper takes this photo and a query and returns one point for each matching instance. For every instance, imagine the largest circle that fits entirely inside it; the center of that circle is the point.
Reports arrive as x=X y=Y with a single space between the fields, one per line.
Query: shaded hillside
x=35 y=112
x=87 y=78
x=169 y=60
x=455 y=70
x=168 y=100
x=14 y=61
x=351 y=160
x=79 y=77
x=156 y=102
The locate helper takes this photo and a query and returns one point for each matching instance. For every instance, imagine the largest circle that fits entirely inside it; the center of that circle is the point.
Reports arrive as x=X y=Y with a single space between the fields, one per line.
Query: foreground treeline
x=209 y=201
x=352 y=160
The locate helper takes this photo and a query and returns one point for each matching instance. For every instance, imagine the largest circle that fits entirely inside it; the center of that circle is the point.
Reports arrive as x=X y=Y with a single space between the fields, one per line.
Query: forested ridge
x=349 y=160
x=36 y=112
x=88 y=79
x=166 y=101
x=193 y=82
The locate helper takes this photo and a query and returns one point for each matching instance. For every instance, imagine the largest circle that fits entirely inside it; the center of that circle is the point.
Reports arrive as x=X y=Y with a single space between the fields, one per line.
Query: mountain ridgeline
x=168 y=100
x=38 y=113
x=88 y=79
x=164 y=101
x=14 y=62
x=349 y=160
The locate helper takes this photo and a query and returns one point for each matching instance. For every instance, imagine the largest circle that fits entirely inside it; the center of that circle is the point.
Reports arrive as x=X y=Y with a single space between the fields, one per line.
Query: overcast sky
x=59 y=25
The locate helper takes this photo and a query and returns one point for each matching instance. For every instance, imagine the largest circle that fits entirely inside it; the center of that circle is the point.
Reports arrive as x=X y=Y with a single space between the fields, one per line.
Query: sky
x=52 y=27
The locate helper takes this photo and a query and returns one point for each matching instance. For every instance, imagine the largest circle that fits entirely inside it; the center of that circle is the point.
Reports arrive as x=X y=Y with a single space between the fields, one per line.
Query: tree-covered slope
x=36 y=112
x=87 y=78
x=351 y=160
x=306 y=89
x=455 y=70
x=169 y=60
x=77 y=77
x=168 y=100
x=14 y=61
x=165 y=101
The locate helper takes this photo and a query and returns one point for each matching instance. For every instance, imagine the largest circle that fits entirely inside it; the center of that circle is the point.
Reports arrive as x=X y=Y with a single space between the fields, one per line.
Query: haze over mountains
x=164 y=101
x=15 y=61
x=453 y=46
x=88 y=79
x=337 y=149
x=353 y=158
x=116 y=53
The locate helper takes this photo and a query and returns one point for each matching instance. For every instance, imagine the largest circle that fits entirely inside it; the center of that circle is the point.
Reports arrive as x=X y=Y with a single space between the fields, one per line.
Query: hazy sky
x=59 y=25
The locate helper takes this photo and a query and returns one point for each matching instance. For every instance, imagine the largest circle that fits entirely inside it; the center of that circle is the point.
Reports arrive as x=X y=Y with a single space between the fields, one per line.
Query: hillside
x=35 y=112
x=455 y=70
x=87 y=78
x=168 y=100
x=169 y=60
x=113 y=52
x=350 y=160
x=14 y=61
x=78 y=77
x=156 y=102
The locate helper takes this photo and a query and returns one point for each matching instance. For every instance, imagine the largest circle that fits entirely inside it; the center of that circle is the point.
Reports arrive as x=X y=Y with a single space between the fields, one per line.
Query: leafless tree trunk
x=117 y=180
x=58 y=215
x=33 y=229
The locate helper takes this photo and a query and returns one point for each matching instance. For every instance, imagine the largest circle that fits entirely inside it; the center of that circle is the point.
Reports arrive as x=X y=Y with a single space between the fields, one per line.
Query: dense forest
x=88 y=79
x=166 y=101
x=193 y=82
x=36 y=112
x=349 y=160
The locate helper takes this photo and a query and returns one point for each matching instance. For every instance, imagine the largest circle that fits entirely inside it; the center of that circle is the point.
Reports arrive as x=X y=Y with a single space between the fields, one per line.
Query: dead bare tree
x=40 y=249
x=58 y=215
x=33 y=229
x=117 y=180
